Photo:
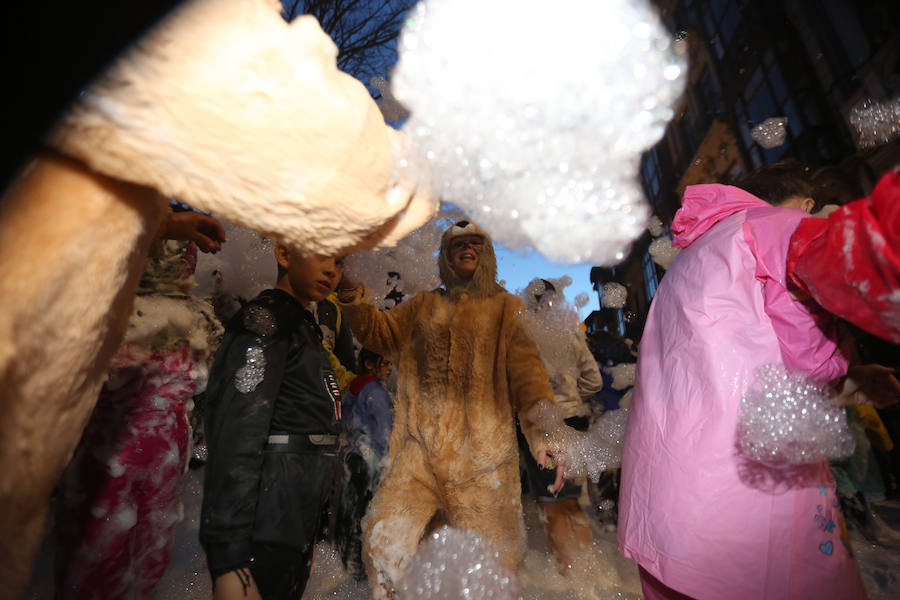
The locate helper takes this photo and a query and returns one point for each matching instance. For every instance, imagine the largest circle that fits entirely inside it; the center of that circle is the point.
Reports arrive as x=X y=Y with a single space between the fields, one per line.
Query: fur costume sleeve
x=230 y=109
x=226 y=107
x=527 y=377
x=384 y=332
x=850 y=262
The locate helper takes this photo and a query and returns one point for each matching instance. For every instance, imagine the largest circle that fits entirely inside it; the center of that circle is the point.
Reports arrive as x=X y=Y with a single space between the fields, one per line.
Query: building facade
x=811 y=62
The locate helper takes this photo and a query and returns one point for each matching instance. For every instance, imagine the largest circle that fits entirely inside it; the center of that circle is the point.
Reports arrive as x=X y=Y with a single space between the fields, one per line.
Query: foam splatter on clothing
x=119 y=496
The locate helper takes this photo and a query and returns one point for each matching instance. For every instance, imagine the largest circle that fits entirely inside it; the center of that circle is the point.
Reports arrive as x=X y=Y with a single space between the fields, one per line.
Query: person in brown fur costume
x=465 y=365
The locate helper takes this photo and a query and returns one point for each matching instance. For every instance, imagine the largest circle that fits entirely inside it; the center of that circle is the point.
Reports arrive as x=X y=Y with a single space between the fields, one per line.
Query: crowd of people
x=324 y=417
x=308 y=436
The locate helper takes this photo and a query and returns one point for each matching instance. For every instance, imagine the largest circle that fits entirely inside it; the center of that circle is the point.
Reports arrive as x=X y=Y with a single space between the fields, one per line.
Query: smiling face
x=308 y=278
x=464 y=252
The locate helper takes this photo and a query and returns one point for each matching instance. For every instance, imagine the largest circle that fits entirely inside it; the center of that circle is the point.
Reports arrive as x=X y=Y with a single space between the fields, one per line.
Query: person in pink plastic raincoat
x=699 y=518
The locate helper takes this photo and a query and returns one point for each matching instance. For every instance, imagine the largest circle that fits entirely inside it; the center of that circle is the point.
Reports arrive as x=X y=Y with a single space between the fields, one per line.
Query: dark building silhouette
x=811 y=62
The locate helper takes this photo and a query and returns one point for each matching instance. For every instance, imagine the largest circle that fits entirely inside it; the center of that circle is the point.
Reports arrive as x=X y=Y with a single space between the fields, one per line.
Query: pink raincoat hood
x=705 y=205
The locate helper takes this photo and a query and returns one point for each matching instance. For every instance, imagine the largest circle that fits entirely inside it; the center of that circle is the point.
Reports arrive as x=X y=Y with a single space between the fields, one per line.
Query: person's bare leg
x=580 y=525
x=567 y=530
x=236 y=585
x=72 y=247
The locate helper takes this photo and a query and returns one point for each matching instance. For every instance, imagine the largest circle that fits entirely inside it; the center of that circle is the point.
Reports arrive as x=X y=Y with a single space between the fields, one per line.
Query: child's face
x=313 y=277
x=383 y=370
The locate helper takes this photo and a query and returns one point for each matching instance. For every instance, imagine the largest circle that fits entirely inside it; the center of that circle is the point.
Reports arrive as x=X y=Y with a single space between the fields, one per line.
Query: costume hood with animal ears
x=484 y=282
x=230 y=109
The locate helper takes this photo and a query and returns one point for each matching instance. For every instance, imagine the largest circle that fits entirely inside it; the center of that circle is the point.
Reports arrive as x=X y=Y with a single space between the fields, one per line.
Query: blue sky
x=518 y=268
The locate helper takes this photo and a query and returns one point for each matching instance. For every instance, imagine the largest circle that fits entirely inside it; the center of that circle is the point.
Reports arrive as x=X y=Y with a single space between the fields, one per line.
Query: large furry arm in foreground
x=224 y=106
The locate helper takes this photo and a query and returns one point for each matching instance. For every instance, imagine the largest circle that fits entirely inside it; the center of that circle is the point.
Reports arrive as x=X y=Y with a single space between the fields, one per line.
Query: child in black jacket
x=272 y=425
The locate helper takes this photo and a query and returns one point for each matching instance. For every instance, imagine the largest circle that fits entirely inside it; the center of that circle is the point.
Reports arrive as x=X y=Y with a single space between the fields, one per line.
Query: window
x=651 y=175
x=651 y=283
x=842 y=15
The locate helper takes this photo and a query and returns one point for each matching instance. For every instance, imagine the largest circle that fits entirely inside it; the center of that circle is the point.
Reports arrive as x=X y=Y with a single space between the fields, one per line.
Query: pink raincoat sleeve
x=806 y=335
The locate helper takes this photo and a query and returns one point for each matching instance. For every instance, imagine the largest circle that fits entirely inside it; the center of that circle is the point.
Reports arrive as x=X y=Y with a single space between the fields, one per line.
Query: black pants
x=296 y=491
x=355 y=499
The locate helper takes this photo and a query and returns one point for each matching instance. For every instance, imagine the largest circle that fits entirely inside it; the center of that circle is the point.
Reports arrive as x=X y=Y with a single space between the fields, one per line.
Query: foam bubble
x=613 y=295
x=663 y=252
x=410 y=267
x=876 y=123
x=655 y=226
x=538 y=131
x=789 y=419
x=457 y=564
x=771 y=132
x=583 y=454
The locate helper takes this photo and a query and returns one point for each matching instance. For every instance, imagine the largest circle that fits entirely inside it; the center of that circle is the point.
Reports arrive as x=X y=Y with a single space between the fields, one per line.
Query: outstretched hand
x=870 y=384
x=203 y=230
x=560 y=467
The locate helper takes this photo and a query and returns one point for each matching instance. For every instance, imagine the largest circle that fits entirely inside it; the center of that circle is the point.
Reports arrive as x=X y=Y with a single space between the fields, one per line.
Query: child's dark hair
x=778 y=183
x=833 y=185
x=366 y=355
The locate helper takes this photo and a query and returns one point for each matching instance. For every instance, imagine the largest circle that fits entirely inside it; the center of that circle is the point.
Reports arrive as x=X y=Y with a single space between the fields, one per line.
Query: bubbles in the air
x=663 y=252
x=391 y=274
x=538 y=132
x=390 y=108
x=582 y=299
x=771 y=132
x=613 y=295
x=876 y=123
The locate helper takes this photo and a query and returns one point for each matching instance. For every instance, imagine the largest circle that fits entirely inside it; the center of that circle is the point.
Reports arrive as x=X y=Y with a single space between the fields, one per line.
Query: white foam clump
x=876 y=123
x=124 y=518
x=582 y=299
x=456 y=564
x=788 y=419
x=392 y=110
x=551 y=323
x=663 y=252
x=535 y=124
x=623 y=375
x=613 y=295
x=583 y=454
x=771 y=133
x=413 y=259
x=243 y=268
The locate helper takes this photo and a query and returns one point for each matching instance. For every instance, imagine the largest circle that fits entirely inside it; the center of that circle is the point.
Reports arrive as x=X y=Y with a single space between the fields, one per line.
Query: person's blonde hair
x=484 y=281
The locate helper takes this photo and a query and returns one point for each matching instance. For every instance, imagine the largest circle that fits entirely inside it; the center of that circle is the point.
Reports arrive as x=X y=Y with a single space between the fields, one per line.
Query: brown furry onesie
x=465 y=365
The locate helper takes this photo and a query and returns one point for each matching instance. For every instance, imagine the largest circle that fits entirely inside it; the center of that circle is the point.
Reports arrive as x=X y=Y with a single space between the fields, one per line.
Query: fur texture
x=224 y=106
x=233 y=111
x=72 y=248
x=466 y=365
